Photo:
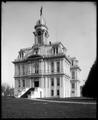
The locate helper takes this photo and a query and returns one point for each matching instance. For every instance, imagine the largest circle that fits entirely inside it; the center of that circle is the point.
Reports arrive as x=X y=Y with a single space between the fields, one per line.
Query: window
x=23 y=83
x=52 y=67
x=18 y=69
x=23 y=69
x=73 y=92
x=73 y=85
x=36 y=52
x=58 y=92
x=36 y=68
x=73 y=74
x=58 y=66
x=19 y=83
x=58 y=81
x=56 y=50
x=36 y=84
x=53 y=50
x=52 y=81
x=52 y=92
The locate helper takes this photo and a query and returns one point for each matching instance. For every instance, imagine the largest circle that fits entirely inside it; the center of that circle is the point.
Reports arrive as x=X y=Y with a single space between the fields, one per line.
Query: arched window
x=58 y=81
x=36 y=68
x=19 y=83
x=58 y=66
x=58 y=92
x=73 y=85
x=23 y=69
x=52 y=67
x=52 y=92
x=73 y=74
x=23 y=83
x=52 y=81
x=18 y=69
x=56 y=50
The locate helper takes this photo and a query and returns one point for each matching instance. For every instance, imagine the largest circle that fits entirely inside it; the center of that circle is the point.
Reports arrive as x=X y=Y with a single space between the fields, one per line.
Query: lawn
x=24 y=108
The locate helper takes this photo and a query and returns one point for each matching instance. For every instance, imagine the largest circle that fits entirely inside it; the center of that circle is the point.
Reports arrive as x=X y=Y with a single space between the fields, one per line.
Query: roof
x=46 y=51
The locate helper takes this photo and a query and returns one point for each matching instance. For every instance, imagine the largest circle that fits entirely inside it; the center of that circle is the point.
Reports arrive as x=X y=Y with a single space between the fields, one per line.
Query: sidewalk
x=55 y=101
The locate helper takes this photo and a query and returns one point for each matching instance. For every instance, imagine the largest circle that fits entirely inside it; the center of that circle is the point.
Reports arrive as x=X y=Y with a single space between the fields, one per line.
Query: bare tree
x=7 y=90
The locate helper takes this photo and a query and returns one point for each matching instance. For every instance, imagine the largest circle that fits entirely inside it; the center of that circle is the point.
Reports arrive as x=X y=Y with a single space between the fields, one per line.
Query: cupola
x=41 y=30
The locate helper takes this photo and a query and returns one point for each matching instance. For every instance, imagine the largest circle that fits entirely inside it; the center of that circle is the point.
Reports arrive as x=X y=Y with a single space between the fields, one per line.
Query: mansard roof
x=46 y=51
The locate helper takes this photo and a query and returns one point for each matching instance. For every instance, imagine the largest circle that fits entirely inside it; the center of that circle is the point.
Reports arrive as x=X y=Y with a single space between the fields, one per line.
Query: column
x=46 y=91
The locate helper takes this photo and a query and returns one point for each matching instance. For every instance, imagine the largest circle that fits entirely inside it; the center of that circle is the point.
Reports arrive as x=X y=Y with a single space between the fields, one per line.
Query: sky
x=72 y=23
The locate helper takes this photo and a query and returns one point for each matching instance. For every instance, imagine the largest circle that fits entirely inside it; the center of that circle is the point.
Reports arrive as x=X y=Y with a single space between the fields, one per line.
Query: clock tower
x=41 y=30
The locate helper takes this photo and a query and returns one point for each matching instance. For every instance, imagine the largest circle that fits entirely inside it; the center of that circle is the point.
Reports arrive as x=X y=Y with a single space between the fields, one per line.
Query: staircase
x=31 y=93
x=22 y=92
x=27 y=93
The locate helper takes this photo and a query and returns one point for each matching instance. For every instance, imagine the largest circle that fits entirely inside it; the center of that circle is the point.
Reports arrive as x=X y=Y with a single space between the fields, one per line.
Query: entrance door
x=36 y=84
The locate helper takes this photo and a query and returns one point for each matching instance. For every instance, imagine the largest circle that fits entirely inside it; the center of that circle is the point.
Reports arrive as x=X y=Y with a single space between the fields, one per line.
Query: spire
x=41 y=30
x=41 y=10
x=41 y=21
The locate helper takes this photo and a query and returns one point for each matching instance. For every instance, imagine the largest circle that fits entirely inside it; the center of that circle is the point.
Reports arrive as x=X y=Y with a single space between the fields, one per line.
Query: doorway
x=36 y=83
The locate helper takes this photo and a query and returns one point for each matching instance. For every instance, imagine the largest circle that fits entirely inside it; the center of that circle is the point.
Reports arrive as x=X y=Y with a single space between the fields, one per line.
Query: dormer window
x=55 y=50
x=21 y=54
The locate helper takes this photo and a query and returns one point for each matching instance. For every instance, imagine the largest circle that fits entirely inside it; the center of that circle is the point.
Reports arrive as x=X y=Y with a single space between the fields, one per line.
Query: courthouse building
x=44 y=69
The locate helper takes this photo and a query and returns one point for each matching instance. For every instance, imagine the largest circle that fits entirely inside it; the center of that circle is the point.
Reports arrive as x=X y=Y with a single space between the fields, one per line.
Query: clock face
x=39 y=33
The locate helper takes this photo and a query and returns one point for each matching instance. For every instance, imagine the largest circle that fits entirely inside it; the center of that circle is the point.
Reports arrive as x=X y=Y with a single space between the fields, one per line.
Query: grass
x=24 y=108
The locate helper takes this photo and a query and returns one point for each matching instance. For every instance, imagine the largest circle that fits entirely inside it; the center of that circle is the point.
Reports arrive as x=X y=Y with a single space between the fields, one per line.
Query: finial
x=41 y=10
